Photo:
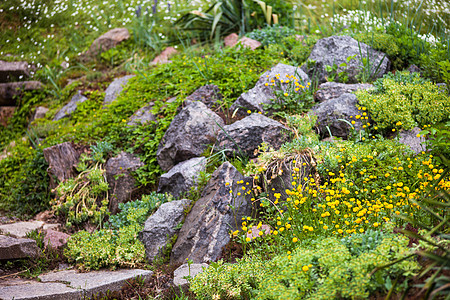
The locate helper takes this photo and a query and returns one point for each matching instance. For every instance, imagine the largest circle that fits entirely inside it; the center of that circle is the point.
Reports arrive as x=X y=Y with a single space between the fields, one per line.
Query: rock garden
x=230 y=149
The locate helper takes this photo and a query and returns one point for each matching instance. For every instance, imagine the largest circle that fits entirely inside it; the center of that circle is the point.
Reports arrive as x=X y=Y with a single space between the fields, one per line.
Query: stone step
x=69 y=284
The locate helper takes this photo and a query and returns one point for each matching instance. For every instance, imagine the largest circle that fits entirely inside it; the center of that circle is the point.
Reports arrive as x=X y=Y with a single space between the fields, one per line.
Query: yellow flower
x=286 y=94
x=305 y=268
x=249 y=111
x=294 y=240
x=248 y=239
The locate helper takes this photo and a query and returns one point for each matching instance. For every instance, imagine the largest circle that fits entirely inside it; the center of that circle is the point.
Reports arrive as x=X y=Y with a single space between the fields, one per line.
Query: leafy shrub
x=119 y=245
x=359 y=243
x=24 y=182
x=385 y=43
x=270 y=34
x=405 y=104
x=323 y=270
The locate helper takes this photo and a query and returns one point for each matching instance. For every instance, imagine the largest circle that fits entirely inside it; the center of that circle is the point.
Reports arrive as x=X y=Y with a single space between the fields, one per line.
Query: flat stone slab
x=69 y=284
x=20 y=229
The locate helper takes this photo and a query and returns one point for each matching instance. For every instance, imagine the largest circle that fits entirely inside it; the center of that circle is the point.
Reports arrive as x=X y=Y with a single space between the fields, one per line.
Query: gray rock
x=107 y=41
x=161 y=227
x=206 y=228
x=11 y=71
x=208 y=94
x=61 y=160
x=409 y=138
x=254 y=99
x=115 y=88
x=330 y=90
x=331 y=113
x=186 y=270
x=250 y=132
x=182 y=176
x=336 y=50
x=188 y=135
x=121 y=182
x=70 y=107
x=415 y=69
x=69 y=285
x=21 y=229
x=142 y=116
x=39 y=113
x=11 y=90
x=14 y=248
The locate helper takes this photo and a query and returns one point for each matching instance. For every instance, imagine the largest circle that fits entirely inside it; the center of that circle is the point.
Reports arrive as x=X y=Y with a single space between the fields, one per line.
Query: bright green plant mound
x=325 y=269
x=406 y=101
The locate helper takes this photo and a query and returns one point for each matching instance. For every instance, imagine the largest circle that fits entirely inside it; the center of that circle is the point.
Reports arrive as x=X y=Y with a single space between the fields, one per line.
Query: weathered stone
x=233 y=39
x=70 y=285
x=115 y=88
x=164 y=56
x=6 y=113
x=187 y=270
x=249 y=133
x=208 y=94
x=39 y=113
x=409 y=138
x=9 y=91
x=330 y=90
x=188 y=135
x=415 y=69
x=12 y=71
x=21 y=229
x=61 y=159
x=121 y=182
x=331 y=113
x=107 y=41
x=161 y=227
x=14 y=248
x=55 y=239
x=182 y=176
x=336 y=50
x=206 y=228
x=70 y=107
x=261 y=94
x=142 y=116
x=23 y=289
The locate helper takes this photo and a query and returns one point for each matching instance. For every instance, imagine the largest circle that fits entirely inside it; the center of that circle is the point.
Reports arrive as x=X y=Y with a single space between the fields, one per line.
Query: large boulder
x=182 y=176
x=262 y=93
x=39 y=113
x=55 y=239
x=161 y=227
x=330 y=90
x=107 y=41
x=249 y=133
x=334 y=116
x=14 y=248
x=70 y=107
x=208 y=94
x=121 y=182
x=207 y=226
x=61 y=159
x=336 y=50
x=13 y=70
x=188 y=135
x=11 y=90
x=115 y=88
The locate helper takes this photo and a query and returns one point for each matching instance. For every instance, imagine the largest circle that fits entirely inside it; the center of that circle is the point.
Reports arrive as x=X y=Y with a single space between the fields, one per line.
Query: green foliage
x=325 y=269
x=271 y=34
x=438 y=139
x=291 y=95
x=137 y=211
x=24 y=182
x=385 y=43
x=359 y=243
x=85 y=197
x=89 y=108
x=342 y=75
x=118 y=246
x=405 y=104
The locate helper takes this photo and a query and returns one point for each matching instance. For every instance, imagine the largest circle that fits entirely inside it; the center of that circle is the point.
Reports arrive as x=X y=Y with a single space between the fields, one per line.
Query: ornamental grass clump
x=407 y=100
